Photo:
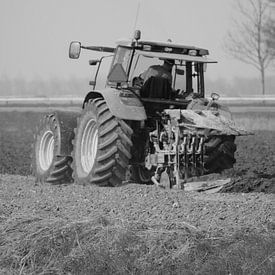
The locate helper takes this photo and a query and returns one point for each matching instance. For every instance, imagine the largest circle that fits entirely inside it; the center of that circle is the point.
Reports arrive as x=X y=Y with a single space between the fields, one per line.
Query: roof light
x=147 y=47
x=192 y=52
x=167 y=49
x=137 y=35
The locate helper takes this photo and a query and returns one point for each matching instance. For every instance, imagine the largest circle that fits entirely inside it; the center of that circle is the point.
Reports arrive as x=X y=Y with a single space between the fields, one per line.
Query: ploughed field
x=134 y=229
x=254 y=169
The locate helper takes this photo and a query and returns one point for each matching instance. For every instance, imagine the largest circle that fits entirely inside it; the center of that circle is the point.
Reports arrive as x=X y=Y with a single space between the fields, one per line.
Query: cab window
x=123 y=56
x=191 y=80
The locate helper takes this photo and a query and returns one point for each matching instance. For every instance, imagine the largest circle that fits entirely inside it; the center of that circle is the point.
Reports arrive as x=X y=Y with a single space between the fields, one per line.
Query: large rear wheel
x=102 y=146
x=47 y=163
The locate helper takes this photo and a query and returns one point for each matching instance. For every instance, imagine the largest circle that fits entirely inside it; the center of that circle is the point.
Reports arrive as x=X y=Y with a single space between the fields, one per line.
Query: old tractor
x=135 y=130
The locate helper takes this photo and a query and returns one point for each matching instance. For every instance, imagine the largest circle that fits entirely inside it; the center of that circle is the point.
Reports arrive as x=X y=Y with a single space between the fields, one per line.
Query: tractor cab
x=133 y=59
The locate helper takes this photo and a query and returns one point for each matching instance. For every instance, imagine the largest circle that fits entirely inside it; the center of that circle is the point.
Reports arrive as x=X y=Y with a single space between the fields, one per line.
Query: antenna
x=137 y=14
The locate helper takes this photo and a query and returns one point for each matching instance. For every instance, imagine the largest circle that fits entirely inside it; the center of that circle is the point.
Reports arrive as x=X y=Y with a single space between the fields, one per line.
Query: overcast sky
x=35 y=34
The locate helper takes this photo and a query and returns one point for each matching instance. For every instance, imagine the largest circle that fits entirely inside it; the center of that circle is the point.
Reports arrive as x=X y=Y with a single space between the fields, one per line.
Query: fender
x=122 y=103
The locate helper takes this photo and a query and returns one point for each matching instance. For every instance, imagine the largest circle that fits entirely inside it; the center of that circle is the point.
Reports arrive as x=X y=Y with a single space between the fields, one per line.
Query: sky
x=35 y=34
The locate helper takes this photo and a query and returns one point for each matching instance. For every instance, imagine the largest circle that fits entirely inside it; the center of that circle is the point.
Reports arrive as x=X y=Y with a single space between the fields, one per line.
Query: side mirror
x=215 y=96
x=74 y=50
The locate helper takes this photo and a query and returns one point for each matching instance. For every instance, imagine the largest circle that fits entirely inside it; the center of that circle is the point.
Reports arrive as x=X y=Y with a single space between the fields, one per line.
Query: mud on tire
x=47 y=164
x=102 y=146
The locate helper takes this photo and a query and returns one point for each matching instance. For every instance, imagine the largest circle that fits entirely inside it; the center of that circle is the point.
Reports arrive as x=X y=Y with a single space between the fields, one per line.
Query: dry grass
x=32 y=245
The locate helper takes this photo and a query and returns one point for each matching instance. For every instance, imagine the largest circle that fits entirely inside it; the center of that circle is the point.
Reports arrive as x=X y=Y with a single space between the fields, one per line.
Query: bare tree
x=247 y=41
x=270 y=28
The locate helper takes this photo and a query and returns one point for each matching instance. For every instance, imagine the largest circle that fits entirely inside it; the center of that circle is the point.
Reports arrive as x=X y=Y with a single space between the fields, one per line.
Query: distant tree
x=270 y=28
x=247 y=41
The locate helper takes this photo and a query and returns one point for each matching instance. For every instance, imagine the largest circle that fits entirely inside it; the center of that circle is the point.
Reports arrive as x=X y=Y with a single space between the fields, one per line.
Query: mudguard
x=67 y=122
x=122 y=103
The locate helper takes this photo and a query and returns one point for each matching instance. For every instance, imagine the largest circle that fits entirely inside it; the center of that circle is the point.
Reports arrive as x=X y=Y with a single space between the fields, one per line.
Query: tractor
x=135 y=130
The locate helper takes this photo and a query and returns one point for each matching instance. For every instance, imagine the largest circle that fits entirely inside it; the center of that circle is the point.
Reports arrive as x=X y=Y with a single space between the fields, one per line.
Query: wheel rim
x=46 y=150
x=89 y=146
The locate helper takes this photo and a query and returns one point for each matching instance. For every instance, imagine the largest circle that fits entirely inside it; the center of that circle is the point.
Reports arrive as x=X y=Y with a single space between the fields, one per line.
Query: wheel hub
x=89 y=146
x=46 y=150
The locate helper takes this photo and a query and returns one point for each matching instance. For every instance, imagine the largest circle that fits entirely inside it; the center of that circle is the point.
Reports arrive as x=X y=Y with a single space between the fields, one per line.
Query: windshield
x=187 y=75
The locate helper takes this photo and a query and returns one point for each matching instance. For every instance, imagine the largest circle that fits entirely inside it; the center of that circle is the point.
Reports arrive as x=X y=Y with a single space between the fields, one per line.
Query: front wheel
x=102 y=146
x=48 y=165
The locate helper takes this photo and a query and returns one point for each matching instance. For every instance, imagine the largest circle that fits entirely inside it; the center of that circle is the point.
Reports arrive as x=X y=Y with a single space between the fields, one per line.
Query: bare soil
x=214 y=213
x=246 y=204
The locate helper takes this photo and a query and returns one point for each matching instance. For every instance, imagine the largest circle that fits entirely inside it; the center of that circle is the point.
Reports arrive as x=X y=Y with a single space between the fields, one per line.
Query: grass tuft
x=32 y=245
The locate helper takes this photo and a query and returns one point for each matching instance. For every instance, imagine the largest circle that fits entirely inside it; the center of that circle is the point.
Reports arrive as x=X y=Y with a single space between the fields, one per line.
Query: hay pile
x=32 y=245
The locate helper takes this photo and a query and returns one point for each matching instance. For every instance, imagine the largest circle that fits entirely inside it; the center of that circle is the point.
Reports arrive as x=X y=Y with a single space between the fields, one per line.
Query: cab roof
x=183 y=57
x=156 y=46
x=168 y=50
x=162 y=46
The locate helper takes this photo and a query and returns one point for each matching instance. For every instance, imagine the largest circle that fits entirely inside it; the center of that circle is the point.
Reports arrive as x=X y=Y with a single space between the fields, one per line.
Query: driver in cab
x=163 y=71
